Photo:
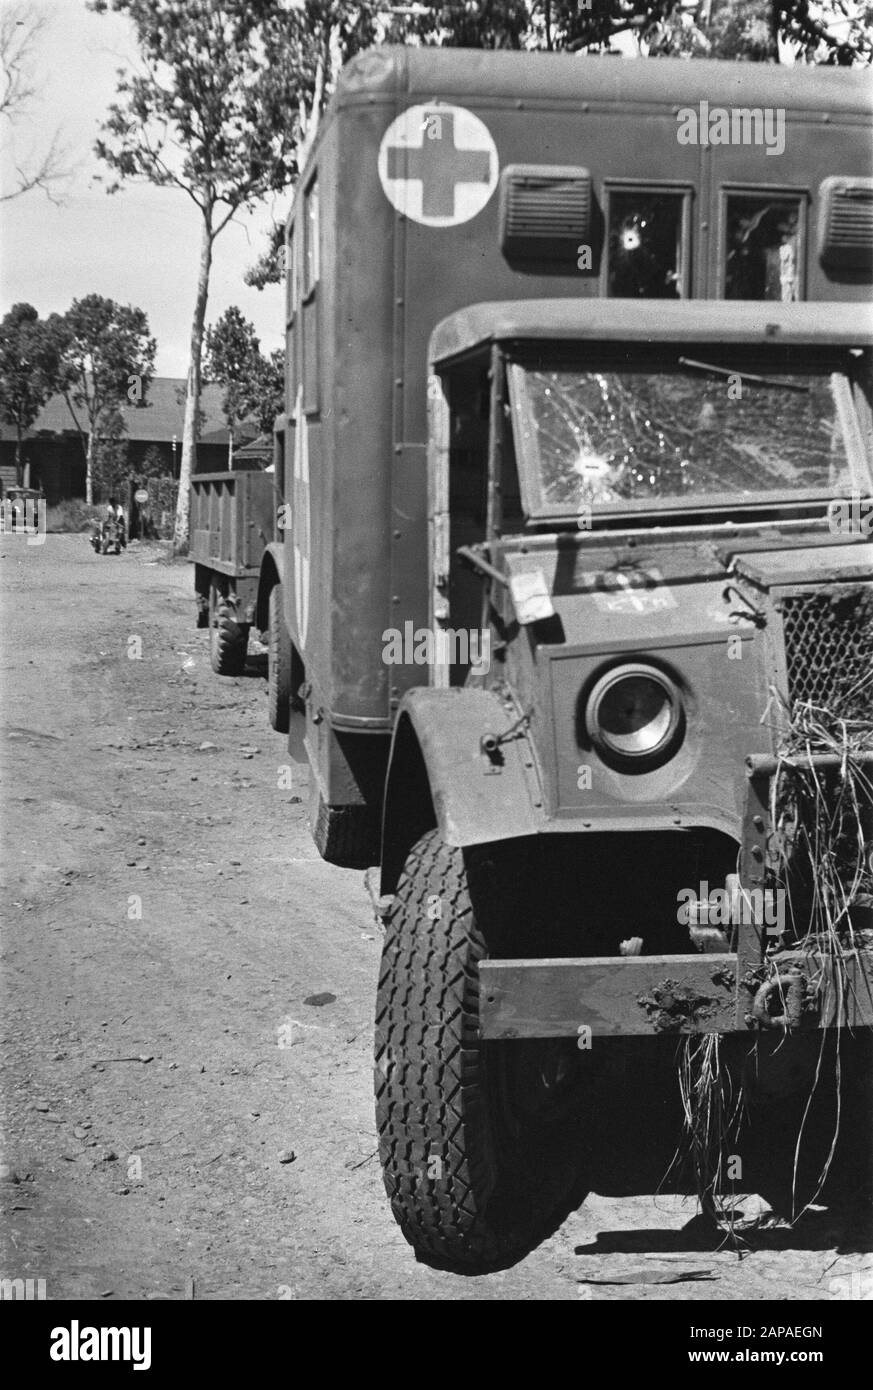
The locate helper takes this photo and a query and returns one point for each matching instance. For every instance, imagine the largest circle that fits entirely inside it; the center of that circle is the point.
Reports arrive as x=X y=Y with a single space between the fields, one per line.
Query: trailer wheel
x=278 y=665
x=347 y=836
x=480 y=1153
x=202 y=589
x=228 y=639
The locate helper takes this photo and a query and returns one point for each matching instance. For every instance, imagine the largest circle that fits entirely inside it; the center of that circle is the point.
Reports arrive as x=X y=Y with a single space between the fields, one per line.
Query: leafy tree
x=831 y=31
x=30 y=355
x=153 y=464
x=253 y=384
x=267 y=399
x=813 y=36
x=111 y=455
x=214 y=114
x=232 y=354
x=108 y=358
x=486 y=24
x=269 y=268
x=154 y=473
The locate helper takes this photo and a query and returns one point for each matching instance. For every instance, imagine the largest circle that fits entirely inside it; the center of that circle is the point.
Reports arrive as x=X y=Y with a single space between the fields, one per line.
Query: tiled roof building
x=56 y=453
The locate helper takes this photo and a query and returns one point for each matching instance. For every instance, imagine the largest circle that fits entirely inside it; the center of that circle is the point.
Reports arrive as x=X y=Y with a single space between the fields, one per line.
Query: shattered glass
x=608 y=436
x=645 y=245
x=764 y=254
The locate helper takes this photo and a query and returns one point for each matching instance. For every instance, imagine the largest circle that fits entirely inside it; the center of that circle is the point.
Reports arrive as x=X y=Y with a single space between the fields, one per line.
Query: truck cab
x=650 y=688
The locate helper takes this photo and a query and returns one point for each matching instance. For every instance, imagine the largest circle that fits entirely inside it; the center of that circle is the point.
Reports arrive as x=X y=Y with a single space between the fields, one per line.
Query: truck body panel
x=357 y=334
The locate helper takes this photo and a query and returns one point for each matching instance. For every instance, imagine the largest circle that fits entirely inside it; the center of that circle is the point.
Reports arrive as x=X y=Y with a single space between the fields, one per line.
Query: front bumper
x=824 y=984
x=624 y=996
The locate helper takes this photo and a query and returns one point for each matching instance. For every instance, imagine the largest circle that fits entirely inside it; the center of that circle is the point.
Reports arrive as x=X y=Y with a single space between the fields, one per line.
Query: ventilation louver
x=545 y=212
x=845 y=229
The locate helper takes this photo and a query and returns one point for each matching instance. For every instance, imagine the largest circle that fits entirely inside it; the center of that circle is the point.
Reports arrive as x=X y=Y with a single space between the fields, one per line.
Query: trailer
x=233 y=519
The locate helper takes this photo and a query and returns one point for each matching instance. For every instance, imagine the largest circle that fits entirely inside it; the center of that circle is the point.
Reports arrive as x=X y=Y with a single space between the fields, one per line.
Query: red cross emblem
x=438 y=164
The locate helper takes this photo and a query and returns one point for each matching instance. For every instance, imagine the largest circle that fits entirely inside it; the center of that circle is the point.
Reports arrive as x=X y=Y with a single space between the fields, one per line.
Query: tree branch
x=20 y=28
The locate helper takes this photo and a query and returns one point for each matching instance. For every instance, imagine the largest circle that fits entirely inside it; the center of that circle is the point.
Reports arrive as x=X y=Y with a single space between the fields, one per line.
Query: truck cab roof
x=568 y=320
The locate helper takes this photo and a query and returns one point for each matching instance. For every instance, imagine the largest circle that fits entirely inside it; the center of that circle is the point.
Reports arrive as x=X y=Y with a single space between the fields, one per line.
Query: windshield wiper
x=744 y=376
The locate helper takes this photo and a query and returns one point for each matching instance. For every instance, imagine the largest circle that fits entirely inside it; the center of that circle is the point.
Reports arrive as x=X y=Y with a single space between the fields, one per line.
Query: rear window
x=645 y=245
x=763 y=252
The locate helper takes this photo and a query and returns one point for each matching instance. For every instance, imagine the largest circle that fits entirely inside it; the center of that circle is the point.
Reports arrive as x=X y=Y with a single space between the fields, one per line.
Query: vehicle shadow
x=795 y=1150
x=831 y=1229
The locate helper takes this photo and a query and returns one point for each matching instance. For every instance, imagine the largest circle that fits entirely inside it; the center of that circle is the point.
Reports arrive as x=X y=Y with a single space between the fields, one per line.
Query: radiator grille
x=829 y=650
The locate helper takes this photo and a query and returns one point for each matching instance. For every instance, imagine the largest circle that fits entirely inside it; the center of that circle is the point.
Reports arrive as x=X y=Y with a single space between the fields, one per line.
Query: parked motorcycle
x=109 y=537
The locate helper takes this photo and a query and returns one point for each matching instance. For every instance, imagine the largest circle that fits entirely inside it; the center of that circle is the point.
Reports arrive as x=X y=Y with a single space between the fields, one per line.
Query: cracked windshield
x=695 y=429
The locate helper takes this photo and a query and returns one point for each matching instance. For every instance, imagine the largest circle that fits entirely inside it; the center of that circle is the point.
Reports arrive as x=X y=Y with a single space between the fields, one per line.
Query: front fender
x=439 y=775
x=272 y=573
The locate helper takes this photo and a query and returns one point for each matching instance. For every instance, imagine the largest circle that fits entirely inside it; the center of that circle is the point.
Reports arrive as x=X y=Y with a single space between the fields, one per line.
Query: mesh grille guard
x=828 y=639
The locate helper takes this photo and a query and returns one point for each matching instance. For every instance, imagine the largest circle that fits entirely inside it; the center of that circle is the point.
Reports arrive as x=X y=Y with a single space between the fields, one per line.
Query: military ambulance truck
x=576 y=593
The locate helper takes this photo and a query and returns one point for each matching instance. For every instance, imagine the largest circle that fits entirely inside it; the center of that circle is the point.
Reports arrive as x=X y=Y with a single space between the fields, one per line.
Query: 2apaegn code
x=720 y=1334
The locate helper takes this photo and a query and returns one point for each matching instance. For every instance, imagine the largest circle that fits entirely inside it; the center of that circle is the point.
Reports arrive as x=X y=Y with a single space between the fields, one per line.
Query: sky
x=139 y=246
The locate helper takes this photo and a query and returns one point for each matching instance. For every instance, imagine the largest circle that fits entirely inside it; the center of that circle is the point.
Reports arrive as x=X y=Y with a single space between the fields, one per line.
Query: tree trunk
x=89 y=470
x=230 y=448
x=19 y=467
x=192 y=396
x=774 y=30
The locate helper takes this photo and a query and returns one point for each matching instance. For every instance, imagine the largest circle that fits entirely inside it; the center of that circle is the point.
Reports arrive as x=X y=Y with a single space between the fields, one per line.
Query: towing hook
x=491 y=744
x=489 y=747
x=790 y=989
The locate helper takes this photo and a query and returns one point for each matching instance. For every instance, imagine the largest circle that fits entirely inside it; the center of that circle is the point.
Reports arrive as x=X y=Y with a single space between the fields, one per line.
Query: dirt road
x=189 y=996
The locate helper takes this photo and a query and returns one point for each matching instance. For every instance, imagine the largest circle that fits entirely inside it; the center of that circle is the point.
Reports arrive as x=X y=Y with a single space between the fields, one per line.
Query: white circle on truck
x=438 y=164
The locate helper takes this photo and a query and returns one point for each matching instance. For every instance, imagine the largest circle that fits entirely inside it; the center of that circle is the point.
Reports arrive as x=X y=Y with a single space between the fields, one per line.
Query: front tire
x=278 y=665
x=478 y=1167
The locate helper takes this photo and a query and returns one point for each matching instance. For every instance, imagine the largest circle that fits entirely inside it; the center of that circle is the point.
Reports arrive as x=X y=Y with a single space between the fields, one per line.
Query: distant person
x=107 y=523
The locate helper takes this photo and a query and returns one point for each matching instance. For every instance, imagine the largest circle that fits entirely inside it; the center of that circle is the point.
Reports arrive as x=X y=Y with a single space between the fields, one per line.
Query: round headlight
x=634 y=713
